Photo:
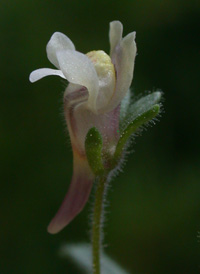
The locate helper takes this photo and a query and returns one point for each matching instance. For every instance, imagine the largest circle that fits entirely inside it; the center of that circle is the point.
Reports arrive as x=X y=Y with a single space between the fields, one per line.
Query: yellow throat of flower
x=106 y=73
x=102 y=63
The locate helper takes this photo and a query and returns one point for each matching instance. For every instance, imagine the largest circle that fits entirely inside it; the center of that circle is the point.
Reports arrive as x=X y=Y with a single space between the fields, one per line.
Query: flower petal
x=123 y=58
x=80 y=120
x=115 y=35
x=43 y=72
x=78 y=69
x=58 y=41
x=76 y=197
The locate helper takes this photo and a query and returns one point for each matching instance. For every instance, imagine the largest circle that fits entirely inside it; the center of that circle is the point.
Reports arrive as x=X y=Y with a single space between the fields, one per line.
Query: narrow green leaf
x=81 y=254
x=93 y=148
x=132 y=128
x=141 y=106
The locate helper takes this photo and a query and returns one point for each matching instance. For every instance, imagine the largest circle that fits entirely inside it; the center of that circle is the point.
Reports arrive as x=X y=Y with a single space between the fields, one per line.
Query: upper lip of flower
x=78 y=68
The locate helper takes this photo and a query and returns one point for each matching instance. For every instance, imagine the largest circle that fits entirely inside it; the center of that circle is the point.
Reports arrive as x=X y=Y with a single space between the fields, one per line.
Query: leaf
x=132 y=128
x=81 y=254
x=141 y=106
x=93 y=148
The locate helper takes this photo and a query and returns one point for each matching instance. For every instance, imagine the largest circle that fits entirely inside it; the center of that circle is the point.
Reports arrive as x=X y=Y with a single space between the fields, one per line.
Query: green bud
x=93 y=148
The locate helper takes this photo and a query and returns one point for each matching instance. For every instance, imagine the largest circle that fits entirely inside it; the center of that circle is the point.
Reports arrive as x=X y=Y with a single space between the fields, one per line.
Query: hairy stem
x=97 y=225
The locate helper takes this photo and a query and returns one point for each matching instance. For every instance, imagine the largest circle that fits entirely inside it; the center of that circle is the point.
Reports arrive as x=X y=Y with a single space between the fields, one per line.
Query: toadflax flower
x=97 y=84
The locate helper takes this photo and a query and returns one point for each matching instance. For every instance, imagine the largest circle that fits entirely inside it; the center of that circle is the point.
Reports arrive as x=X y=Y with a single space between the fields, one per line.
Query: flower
x=97 y=84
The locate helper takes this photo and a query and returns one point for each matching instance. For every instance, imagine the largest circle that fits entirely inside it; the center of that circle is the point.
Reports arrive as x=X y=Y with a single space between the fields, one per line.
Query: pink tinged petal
x=57 y=42
x=123 y=58
x=76 y=197
x=78 y=69
x=43 y=72
x=115 y=35
x=80 y=120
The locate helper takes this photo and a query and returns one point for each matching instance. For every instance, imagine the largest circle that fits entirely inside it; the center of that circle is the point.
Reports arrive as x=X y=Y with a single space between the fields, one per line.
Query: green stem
x=97 y=225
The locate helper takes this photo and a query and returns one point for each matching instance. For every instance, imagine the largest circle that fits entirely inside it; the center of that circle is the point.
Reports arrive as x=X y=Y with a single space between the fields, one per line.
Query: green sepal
x=140 y=107
x=93 y=148
x=132 y=128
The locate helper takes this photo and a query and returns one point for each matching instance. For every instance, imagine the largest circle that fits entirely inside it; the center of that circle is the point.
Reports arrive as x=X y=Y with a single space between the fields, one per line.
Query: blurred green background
x=153 y=217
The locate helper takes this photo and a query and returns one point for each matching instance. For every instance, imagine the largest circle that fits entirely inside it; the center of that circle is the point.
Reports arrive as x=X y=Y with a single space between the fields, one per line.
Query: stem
x=97 y=225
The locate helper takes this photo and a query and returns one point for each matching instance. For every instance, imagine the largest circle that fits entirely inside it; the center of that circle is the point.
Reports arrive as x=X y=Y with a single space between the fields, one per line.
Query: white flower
x=97 y=84
x=95 y=70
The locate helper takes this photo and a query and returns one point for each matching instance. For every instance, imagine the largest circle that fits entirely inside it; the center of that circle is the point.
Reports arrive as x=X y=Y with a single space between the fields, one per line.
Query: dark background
x=154 y=214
